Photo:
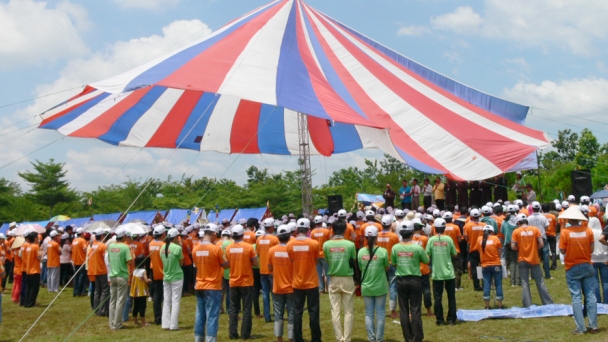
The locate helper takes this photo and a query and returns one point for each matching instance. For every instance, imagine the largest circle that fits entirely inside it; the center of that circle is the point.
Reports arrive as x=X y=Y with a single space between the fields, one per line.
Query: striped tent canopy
x=240 y=89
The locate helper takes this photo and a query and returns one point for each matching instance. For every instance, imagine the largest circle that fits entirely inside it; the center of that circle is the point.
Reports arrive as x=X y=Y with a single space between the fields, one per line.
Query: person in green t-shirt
x=407 y=256
x=373 y=263
x=441 y=249
x=341 y=254
x=119 y=258
x=173 y=280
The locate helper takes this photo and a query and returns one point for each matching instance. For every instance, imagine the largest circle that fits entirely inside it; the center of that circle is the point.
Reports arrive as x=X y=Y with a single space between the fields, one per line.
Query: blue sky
x=546 y=54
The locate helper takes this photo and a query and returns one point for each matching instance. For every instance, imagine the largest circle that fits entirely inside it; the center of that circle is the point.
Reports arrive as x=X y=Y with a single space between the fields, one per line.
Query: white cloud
x=147 y=4
x=575 y=25
x=462 y=20
x=33 y=33
x=413 y=30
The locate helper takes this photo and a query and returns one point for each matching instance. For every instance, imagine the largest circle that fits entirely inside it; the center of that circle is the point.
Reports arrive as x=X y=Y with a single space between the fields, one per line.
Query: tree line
x=50 y=193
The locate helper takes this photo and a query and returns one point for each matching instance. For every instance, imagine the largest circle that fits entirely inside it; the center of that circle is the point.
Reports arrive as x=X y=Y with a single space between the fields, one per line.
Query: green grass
x=67 y=313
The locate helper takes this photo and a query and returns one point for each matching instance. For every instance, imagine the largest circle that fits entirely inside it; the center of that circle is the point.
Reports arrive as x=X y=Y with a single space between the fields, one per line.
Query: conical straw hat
x=573 y=213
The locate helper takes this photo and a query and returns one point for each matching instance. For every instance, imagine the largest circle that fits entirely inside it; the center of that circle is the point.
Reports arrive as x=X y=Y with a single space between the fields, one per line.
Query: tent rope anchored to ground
x=240 y=89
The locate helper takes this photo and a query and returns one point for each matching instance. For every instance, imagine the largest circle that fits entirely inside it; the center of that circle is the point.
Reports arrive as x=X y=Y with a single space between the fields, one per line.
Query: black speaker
x=581 y=183
x=334 y=203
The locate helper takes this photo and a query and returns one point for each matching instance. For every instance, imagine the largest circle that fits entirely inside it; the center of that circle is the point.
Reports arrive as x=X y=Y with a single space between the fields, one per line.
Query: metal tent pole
x=305 y=168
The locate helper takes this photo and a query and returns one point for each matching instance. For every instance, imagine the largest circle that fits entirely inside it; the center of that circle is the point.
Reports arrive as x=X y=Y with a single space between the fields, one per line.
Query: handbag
x=358 y=288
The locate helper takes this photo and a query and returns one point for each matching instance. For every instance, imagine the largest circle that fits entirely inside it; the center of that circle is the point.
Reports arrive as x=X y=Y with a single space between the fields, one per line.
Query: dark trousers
x=425 y=280
x=440 y=204
x=409 y=294
x=157 y=300
x=23 y=289
x=80 y=280
x=92 y=295
x=257 y=286
x=187 y=278
x=102 y=295
x=139 y=306
x=33 y=286
x=310 y=297
x=406 y=205
x=427 y=200
x=65 y=273
x=552 y=246
x=475 y=261
x=240 y=295
x=8 y=270
x=450 y=288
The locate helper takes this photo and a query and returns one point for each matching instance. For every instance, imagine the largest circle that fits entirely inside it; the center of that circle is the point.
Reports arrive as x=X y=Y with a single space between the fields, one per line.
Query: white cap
x=407 y=225
x=277 y=224
x=565 y=204
x=201 y=232
x=259 y=232
x=512 y=208
x=99 y=231
x=369 y=213
x=2 y=236
x=188 y=229
x=521 y=217
x=65 y=236
x=238 y=230
x=584 y=209
x=210 y=227
x=283 y=229
x=518 y=173
x=304 y=223
x=475 y=213
x=10 y=233
x=242 y=222
x=439 y=222
x=371 y=230
x=179 y=227
x=159 y=230
x=418 y=215
x=571 y=198
x=269 y=222
x=226 y=232
x=12 y=224
x=61 y=229
x=360 y=214
x=53 y=233
x=318 y=219
x=399 y=213
x=490 y=204
x=341 y=213
x=292 y=226
x=447 y=215
x=497 y=204
x=518 y=202
x=79 y=230
x=558 y=206
x=486 y=210
x=488 y=227
x=585 y=199
x=535 y=205
x=173 y=232
x=120 y=232
x=387 y=220
x=436 y=213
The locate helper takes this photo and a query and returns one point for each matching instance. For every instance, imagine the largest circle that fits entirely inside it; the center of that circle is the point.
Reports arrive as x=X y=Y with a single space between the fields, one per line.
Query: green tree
x=49 y=186
x=566 y=144
x=587 y=151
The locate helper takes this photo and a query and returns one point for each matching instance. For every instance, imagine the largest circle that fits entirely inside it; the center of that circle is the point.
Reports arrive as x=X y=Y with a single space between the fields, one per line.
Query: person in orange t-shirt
x=263 y=245
x=527 y=241
x=97 y=268
x=304 y=253
x=472 y=231
x=79 y=255
x=321 y=235
x=31 y=256
x=187 y=263
x=53 y=251
x=577 y=243
x=282 y=290
x=156 y=264
x=490 y=250
x=18 y=275
x=242 y=258
x=210 y=263
x=8 y=259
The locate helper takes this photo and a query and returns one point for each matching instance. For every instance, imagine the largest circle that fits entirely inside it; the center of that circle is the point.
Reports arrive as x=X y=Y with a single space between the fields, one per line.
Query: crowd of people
x=409 y=256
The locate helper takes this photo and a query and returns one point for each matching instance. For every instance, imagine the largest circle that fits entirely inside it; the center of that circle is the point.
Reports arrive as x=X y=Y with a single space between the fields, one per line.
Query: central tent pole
x=304 y=162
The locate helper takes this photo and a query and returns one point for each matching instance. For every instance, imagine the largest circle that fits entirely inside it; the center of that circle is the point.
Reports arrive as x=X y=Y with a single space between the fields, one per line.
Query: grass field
x=72 y=315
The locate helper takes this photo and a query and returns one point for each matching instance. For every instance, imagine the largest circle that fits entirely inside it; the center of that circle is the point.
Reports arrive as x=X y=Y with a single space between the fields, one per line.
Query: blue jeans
x=283 y=302
x=489 y=273
x=266 y=280
x=322 y=268
x=392 y=287
x=207 y=313
x=601 y=273
x=128 y=305
x=544 y=253
x=375 y=332
x=43 y=273
x=582 y=277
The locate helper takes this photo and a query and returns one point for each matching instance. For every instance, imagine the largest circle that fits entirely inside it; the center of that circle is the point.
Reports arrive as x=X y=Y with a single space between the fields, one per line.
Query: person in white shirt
x=415 y=194
x=599 y=257
x=427 y=191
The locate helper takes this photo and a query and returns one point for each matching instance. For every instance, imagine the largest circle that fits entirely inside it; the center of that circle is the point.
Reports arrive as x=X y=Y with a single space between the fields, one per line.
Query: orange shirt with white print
x=489 y=256
x=304 y=253
x=577 y=241
x=527 y=242
x=187 y=250
x=249 y=237
x=18 y=262
x=282 y=269
x=156 y=263
x=239 y=255
x=262 y=246
x=551 y=229
x=422 y=240
x=453 y=231
x=321 y=235
x=208 y=259
x=137 y=247
x=97 y=264
x=79 y=251
x=53 y=251
x=361 y=232
x=31 y=259
x=473 y=230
